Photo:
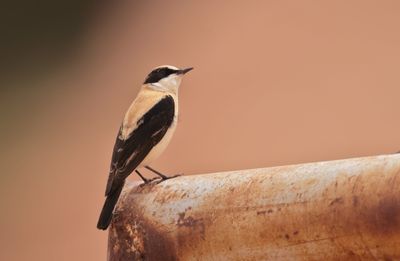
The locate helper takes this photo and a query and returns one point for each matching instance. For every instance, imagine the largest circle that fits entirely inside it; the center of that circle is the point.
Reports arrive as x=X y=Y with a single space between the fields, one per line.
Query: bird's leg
x=156 y=172
x=163 y=177
x=146 y=181
x=142 y=177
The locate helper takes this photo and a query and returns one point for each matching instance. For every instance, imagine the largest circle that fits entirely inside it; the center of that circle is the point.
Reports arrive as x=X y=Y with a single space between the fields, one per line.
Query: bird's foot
x=149 y=181
x=173 y=176
x=164 y=178
x=145 y=180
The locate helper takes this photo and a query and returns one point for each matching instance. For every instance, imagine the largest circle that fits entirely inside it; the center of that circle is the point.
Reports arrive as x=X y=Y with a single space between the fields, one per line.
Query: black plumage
x=159 y=73
x=130 y=152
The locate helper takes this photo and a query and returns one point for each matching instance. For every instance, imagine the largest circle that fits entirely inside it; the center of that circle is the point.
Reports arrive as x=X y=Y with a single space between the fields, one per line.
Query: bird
x=145 y=132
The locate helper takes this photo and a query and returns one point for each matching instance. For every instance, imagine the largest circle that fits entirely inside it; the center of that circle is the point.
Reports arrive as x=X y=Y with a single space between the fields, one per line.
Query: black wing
x=129 y=153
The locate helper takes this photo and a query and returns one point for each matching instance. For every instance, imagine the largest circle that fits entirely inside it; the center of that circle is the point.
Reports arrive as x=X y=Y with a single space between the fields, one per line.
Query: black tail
x=108 y=208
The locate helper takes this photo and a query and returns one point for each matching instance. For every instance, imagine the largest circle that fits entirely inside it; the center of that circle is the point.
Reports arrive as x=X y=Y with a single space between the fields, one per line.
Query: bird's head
x=166 y=77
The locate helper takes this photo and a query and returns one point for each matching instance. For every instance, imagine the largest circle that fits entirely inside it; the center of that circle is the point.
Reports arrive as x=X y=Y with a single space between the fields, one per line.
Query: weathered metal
x=336 y=210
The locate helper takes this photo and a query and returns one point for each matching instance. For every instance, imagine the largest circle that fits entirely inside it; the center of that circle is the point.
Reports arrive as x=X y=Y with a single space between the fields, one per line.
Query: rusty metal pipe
x=336 y=210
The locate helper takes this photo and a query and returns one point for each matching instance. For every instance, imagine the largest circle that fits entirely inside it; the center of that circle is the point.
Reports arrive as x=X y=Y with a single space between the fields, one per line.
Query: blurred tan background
x=275 y=82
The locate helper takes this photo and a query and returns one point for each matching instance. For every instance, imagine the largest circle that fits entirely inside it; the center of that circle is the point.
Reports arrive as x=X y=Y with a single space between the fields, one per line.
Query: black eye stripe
x=158 y=74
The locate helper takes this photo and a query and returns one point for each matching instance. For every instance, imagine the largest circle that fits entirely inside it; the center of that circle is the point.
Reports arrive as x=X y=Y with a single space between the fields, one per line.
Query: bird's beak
x=183 y=71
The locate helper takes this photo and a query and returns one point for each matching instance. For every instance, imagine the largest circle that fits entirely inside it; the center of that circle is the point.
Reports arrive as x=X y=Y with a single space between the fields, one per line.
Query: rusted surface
x=337 y=210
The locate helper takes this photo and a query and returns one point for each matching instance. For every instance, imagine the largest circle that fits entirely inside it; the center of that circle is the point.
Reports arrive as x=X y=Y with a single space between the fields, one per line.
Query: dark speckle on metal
x=335 y=210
